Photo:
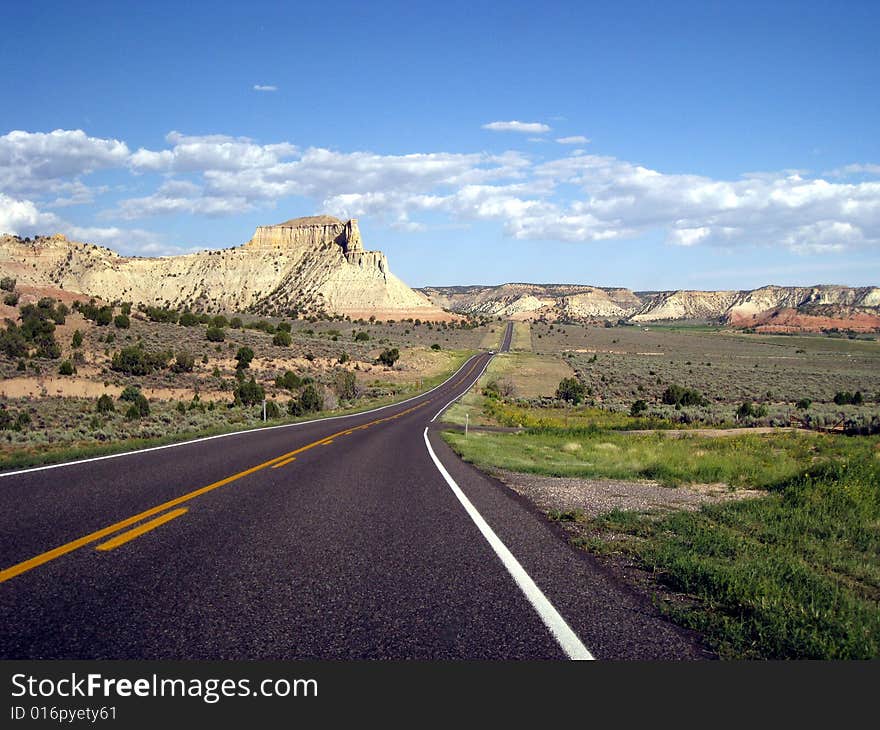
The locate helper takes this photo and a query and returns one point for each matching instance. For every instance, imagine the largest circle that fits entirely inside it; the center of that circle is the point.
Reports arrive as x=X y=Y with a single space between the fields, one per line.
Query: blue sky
x=647 y=145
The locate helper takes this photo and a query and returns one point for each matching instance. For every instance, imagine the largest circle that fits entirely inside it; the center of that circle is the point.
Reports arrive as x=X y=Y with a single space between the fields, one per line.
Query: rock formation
x=770 y=308
x=309 y=265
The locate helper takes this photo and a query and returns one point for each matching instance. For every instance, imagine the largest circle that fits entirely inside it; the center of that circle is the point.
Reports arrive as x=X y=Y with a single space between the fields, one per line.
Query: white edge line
x=232 y=433
x=553 y=620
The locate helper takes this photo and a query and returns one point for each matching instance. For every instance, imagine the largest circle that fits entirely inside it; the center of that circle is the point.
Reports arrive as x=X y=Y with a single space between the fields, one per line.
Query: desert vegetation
x=64 y=369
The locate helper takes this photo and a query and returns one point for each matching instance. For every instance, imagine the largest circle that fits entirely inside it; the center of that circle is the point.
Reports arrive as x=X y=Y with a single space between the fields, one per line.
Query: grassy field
x=520 y=374
x=522 y=337
x=620 y=365
x=792 y=572
x=742 y=461
x=492 y=336
x=794 y=575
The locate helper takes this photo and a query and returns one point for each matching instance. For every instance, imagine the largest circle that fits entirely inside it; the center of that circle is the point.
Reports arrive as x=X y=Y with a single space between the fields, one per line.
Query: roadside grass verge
x=27 y=455
x=755 y=461
x=522 y=373
x=522 y=337
x=794 y=575
x=582 y=418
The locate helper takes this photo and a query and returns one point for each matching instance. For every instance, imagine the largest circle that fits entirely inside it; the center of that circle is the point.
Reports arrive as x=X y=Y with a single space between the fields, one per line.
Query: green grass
x=570 y=419
x=756 y=461
x=794 y=575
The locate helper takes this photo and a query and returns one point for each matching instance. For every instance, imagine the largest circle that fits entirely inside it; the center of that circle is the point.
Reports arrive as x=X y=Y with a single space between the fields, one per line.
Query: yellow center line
x=69 y=547
x=283 y=463
x=123 y=538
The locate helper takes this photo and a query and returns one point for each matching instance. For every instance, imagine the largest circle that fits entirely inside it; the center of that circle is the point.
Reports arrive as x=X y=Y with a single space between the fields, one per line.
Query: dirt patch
x=69 y=387
x=593 y=497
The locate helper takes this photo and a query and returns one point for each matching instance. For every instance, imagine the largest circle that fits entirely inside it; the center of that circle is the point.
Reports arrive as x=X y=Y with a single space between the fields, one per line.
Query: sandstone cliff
x=816 y=308
x=311 y=265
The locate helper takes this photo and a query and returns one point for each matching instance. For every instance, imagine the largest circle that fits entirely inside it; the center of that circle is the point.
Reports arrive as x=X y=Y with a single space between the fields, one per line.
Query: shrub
x=7 y=283
x=248 y=392
x=161 y=314
x=136 y=361
x=846 y=398
x=389 y=356
x=104 y=316
x=343 y=358
x=244 y=356
x=13 y=342
x=571 y=390
x=66 y=368
x=105 y=404
x=803 y=404
x=139 y=405
x=37 y=329
x=435 y=346
x=121 y=322
x=215 y=334
x=345 y=385
x=188 y=319
x=289 y=380
x=309 y=401
x=6 y=420
x=235 y=323
x=362 y=337
x=219 y=321
x=181 y=406
x=77 y=339
x=126 y=308
x=22 y=420
x=281 y=338
x=130 y=393
x=283 y=327
x=11 y=298
x=638 y=408
x=184 y=362
x=676 y=395
x=272 y=409
x=750 y=410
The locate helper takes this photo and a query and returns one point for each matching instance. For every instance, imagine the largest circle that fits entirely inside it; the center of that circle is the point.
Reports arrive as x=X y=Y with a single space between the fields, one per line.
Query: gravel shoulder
x=596 y=496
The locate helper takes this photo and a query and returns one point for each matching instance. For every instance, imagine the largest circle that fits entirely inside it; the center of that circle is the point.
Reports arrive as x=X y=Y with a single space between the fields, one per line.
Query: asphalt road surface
x=335 y=539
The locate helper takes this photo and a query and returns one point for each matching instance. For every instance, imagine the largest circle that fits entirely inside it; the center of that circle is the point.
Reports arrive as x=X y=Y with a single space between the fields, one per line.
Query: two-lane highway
x=355 y=537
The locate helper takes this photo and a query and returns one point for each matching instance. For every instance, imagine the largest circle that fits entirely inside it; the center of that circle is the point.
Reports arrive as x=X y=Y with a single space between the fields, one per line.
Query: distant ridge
x=769 y=309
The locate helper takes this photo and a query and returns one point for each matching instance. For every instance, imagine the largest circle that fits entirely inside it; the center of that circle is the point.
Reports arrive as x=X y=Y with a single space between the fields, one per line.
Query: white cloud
x=574 y=139
x=265 y=87
x=212 y=152
x=855 y=169
x=37 y=162
x=514 y=126
x=23 y=218
x=576 y=197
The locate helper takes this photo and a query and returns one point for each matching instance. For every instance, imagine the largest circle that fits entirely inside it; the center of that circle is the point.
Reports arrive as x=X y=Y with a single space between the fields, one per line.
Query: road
x=334 y=539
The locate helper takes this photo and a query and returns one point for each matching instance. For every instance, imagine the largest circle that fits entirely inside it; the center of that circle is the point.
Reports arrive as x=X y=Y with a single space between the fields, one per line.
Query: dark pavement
x=356 y=548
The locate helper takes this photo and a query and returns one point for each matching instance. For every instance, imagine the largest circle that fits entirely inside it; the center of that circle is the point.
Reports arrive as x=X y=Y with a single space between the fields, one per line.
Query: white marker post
x=467 y=418
x=264 y=409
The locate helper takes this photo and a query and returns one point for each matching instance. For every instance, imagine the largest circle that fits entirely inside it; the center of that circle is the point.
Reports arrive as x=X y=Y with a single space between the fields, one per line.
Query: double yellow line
x=69 y=547
x=121 y=539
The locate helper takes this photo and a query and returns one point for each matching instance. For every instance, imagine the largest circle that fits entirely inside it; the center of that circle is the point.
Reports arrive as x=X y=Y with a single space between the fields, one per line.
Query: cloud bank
x=575 y=197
